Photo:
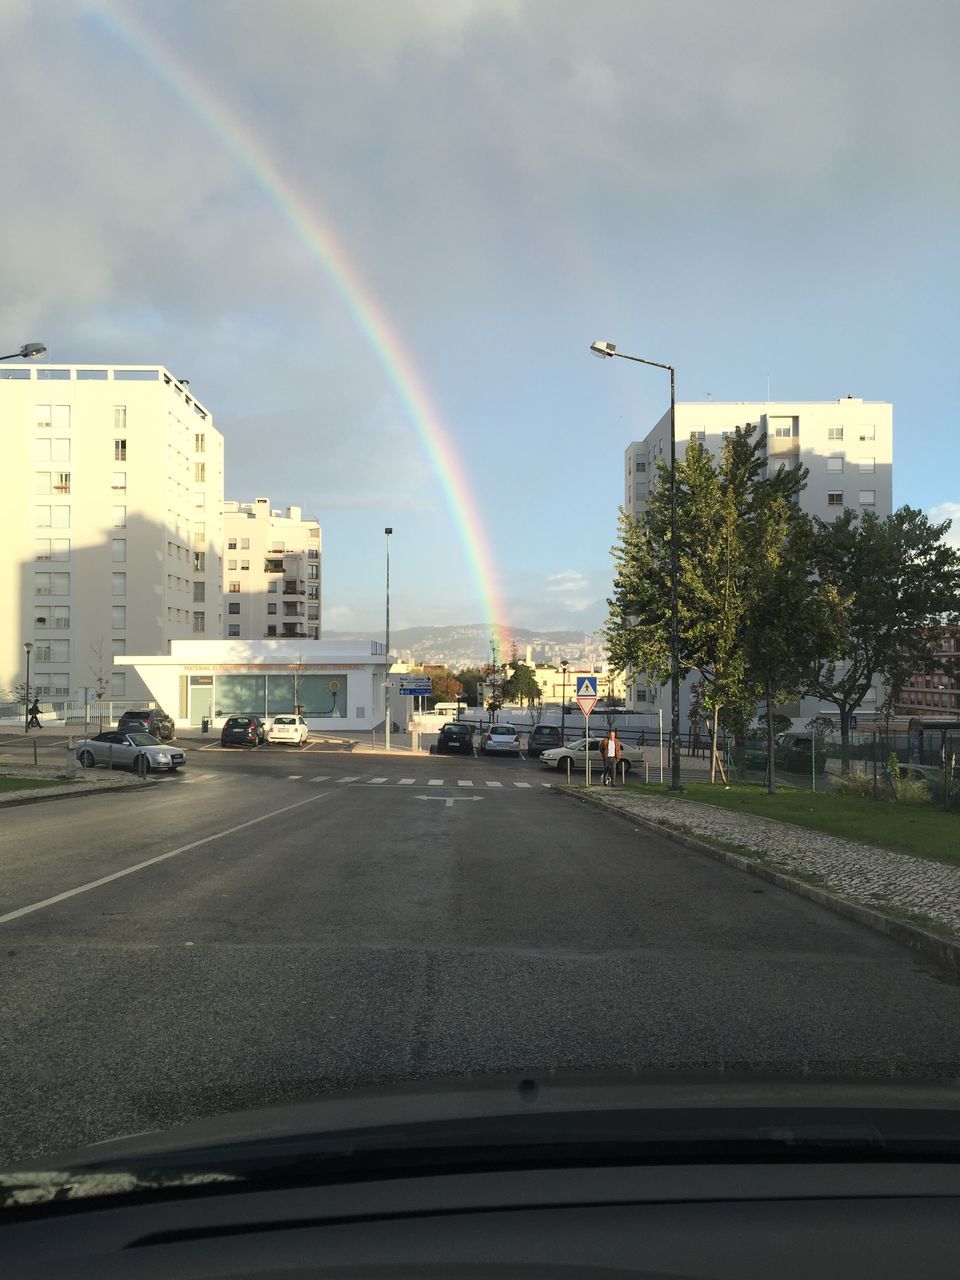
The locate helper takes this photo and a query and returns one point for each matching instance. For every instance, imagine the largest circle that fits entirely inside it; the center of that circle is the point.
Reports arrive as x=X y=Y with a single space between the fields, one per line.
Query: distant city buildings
x=933 y=693
x=271 y=572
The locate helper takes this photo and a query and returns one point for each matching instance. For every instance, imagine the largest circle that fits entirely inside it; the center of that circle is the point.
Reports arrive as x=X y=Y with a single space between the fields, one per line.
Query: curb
x=42 y=794
x=944 y=950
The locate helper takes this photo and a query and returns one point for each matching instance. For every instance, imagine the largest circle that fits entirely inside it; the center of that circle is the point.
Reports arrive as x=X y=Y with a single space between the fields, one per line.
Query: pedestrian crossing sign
x=586 y=686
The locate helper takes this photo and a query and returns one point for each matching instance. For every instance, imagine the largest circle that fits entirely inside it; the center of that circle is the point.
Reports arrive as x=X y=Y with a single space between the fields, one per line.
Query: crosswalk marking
x=294 y=777
x=494 y=784
x=321 y=777
x=464 y=783
x=523 y=784
x=372 y=780
x=435 y=782
x=354 y=777
x=406 y=782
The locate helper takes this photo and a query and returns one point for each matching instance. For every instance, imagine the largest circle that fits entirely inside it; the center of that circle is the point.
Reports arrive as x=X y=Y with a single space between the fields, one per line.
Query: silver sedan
x=127 y=750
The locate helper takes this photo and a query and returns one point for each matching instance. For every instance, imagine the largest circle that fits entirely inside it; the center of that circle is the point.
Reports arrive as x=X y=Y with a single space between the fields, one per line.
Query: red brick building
x=933 y=692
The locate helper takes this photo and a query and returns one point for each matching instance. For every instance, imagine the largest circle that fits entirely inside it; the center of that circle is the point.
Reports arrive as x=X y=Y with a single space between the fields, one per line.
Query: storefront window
x=241 y=695
x=279 y=695
x=324 y=695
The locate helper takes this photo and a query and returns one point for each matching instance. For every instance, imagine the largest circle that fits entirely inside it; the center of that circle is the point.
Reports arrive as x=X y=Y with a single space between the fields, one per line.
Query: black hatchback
x=455 y=737
x=154 y=720
x=243 y=731
x=542 y=738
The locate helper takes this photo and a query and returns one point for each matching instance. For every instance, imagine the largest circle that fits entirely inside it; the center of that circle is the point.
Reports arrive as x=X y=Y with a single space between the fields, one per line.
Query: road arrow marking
x=449 y=801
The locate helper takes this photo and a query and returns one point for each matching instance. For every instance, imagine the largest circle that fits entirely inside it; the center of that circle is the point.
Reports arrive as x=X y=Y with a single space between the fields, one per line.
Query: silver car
x=126 y=749
x=576 y=753
x=501 y=739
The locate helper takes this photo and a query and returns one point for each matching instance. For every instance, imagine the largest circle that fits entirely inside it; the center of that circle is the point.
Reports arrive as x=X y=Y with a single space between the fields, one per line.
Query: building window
x=61 y=482
x=867 y=466
x=118 y=617
x=244 y=564
x=42 y=549
x=313 y=571
x=272 y=587
x=271 y=607
x=835 y=463
x=868 y=433
x=118 y=584
x=272 y=630
x=233 y=606
x=41 y=484
x=198 y=622
x=199 y=561
x=233 y=628
x=231 y=544
x=783 y=432
x=199 y=592
x=118 y=550
x=119 y=480
x=231 y=564
x=119 y=647
x=244 y=544
x=868 y=497
x=119 y=417
x=60 y=451
x=41 y=449
x=199 y=442
x=61 y=517
x=118 y=684
x=43 y=517
x=120 y=450
x=835 y=499
x=234 y=587
x=698 y=434
x=199 y=473
x=834 y=433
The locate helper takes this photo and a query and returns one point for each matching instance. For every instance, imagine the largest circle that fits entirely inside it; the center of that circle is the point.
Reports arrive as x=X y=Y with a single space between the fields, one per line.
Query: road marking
x=463 y=783
x=373 y=780
x=449 y=801
x=523 y=784
x=351 y=778
x=321 y=777
x=294 y=777
x=406 y=782
x=151 y=862
x=494 y=784
x=435 y=782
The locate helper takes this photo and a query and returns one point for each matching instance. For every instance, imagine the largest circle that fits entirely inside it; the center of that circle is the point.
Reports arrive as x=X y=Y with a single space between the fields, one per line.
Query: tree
x=720 y=526
x=611 y=705
x=522 y=685
x=469 y=678
x=897 y=584
x=96 y=668
x=445 y=686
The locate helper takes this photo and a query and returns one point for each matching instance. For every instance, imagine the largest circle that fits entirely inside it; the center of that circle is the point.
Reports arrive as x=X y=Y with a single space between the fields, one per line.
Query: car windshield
x=469 y=376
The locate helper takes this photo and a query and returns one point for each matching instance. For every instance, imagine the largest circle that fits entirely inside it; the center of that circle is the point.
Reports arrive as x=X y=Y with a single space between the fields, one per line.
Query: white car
x=288 y=729
x=501 y=739
x=576 y=753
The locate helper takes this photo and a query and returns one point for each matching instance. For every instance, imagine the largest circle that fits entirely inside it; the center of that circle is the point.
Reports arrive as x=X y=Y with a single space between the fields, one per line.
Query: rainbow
x=367 y=312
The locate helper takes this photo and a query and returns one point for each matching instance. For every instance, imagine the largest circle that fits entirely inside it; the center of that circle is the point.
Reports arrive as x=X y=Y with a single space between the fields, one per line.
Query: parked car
x=542 y=738
x=501 y=739
x=288 y=729
x=576 y=752
x=457 y=736
x=243 y=731
x=153 y=720
x=794 y=753
x=128 y=749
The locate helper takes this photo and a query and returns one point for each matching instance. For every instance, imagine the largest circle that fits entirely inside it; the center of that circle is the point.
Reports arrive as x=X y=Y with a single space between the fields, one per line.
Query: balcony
x=271 y=565
x=293 y=609
x=294 y=587
x=295 y=629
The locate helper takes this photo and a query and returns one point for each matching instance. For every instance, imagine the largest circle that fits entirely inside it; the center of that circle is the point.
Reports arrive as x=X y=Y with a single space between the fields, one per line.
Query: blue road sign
x=586 y=686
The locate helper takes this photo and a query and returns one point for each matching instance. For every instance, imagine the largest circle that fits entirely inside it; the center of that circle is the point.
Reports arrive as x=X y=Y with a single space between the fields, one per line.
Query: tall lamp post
x=563 y=703
x=605 y=350
x=29 y=351
x=27 y=647
x=386 y=683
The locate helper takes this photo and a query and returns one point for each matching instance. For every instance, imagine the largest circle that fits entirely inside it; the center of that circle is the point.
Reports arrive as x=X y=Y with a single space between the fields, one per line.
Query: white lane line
x=494 y=784
x=353 y=777
x=373 y=780
x=321 y=777
x=294 y=777
x=546 y=784
x=406 y=782
x=435 y=782
x=523 y=784
x=150 y=862
x=462 y=783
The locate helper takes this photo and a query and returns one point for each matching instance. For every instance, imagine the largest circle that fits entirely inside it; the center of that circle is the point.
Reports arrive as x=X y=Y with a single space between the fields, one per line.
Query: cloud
x=948 y=511
x=567 y=580
x=339 y=617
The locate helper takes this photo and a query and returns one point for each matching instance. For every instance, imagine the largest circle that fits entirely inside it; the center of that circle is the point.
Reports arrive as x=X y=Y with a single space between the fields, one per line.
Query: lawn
x=27 y=784
x=924 y=831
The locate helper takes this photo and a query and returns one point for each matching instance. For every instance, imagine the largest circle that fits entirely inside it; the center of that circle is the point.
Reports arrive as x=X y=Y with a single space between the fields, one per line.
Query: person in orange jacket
x=610 y=750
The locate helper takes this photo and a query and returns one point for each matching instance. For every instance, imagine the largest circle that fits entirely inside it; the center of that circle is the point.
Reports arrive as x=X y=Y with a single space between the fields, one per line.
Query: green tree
x=897 y=584
x=445 y=686
x=521 y=686
x=468 y=679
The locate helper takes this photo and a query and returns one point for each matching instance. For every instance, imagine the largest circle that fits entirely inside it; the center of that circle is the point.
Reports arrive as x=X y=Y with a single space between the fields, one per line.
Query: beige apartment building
x=846 y=445
x=113 y=508
x=271 y=581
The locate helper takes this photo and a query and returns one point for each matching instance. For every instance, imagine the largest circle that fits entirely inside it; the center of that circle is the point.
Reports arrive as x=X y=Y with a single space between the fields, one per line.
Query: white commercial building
x=271 y=580
x=339 y=684
x=846 y=445
x=112 y=506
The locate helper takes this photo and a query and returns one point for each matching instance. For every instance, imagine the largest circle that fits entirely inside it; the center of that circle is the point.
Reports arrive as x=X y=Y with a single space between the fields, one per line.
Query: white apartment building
x=271 y=581
x=846 y=445
x=112 y=506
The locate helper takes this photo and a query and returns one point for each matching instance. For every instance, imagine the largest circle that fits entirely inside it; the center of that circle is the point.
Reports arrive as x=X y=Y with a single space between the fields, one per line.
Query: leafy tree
x=522 y=685
x=897 y=584
x=445 y=686
x=469 y=678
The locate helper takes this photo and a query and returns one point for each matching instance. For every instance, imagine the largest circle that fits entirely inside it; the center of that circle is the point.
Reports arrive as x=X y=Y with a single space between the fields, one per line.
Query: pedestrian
x=34 y=721
x=610 y=750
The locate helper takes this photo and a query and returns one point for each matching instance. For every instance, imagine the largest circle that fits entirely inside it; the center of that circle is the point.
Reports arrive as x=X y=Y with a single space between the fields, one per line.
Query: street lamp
x=27 y=647
x=29 y=351
x=563 y=703
x=386 y=685
x=604 y=350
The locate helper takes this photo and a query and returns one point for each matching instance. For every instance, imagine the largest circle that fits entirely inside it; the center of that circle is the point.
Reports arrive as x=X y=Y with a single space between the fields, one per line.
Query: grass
x=28 y=784
x=923 y=831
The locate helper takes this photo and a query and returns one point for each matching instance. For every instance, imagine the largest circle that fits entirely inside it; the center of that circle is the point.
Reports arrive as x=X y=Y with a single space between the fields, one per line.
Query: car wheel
x=562 y=764
x=175 y=769
x=86 y=760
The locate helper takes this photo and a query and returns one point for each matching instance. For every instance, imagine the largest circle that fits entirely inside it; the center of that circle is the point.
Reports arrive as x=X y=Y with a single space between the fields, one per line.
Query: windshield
x=449 y=381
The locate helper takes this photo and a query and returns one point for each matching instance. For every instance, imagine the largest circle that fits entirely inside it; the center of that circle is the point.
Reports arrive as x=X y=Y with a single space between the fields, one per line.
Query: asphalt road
x=306 y=920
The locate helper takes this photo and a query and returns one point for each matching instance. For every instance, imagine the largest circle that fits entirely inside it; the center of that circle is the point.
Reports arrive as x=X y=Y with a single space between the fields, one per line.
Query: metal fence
x=73 y=715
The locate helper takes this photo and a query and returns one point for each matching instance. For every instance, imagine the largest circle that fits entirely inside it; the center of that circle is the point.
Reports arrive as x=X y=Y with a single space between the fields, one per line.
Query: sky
x=741 y=189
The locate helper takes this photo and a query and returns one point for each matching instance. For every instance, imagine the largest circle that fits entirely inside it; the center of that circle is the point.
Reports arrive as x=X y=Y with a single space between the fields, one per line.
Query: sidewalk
x=904 y=896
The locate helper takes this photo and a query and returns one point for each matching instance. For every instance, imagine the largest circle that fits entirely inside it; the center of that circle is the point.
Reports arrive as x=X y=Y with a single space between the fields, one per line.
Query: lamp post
x=386 y=683
x=604 y=350
x=563 y=703
x=27 y=647
x=29 y=351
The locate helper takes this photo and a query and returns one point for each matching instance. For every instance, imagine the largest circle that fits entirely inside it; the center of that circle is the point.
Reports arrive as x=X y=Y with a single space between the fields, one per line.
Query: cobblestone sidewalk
x=876 y=877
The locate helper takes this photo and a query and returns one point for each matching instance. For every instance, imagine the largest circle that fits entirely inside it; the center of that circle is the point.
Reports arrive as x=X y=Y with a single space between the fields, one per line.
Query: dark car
x=542 y=738
x=243 y=731
x=153 y=720
x=455 y=737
